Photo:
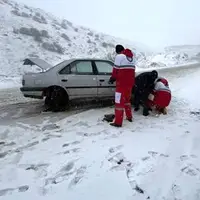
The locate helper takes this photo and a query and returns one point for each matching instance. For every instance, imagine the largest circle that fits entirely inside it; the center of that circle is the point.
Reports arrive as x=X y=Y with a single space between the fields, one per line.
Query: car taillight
x=23 y=82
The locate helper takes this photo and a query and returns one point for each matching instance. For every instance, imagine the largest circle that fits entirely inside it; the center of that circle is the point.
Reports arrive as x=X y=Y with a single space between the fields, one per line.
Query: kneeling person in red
x=160 y=97
x=124 y=75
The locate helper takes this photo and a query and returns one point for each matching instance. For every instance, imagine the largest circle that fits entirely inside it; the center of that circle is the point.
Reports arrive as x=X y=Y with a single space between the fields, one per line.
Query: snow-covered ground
x=77 y=156
x=74 y=155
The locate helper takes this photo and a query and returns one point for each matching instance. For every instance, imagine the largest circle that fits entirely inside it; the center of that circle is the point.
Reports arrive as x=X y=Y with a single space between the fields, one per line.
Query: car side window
x=104 y=68
x=65 y=70
x=82 y=67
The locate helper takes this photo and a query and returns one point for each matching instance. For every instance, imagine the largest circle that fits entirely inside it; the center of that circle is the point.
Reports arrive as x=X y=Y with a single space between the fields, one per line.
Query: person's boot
x=162 y=111
x=118 y=118
x=145 y=111
x=165 y=111
x=136 y=108
x=130 y=120
x=115 y=125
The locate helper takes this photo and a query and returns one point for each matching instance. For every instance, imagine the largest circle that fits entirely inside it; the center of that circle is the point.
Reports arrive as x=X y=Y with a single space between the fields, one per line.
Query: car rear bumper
x=32 y=92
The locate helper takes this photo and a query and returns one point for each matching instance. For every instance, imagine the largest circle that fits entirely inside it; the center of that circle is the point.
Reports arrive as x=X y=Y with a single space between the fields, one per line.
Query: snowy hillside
x=190 y=50
x=172 y=56
x=166 y=59
x=30 y=32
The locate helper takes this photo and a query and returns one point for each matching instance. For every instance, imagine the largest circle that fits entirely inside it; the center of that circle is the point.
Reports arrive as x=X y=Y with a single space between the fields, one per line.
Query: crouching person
x=160 y=97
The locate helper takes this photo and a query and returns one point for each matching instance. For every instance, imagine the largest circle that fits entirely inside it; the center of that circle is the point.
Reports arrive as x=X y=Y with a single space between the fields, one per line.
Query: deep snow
x=81 y=157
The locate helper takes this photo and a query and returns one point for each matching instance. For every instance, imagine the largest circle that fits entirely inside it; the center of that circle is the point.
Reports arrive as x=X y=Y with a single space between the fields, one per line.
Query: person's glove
x=151 y=97
x=111 y=80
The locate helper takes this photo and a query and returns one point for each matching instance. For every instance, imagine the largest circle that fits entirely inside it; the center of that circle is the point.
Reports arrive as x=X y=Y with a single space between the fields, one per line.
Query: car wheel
x=57 y=99
x=47 y=101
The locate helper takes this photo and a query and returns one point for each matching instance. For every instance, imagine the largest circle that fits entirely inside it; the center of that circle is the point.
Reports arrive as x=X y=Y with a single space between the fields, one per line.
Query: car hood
x=39 y=62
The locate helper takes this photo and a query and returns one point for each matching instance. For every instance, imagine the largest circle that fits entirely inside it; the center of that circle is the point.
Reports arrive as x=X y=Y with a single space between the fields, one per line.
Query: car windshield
x=65 y=61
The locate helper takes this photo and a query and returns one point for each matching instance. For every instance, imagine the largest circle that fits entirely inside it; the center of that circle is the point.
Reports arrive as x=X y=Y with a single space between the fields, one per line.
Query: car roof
x=99 y=59
x=66 y=62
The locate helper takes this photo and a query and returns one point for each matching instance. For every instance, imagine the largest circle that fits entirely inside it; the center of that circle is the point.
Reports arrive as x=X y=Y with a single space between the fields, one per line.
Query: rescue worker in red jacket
x=124 y=75
x=160 y=97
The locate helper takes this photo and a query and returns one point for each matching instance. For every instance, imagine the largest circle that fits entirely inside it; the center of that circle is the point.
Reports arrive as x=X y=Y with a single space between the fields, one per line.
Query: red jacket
x=161 y=94
x=124 y=69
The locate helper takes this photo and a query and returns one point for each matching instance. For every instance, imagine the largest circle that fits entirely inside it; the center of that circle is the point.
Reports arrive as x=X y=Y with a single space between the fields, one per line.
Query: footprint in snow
x=131 y=177
x=196 y=113
x=187 y=132
x=114 y=149
x=8 y=191
x=72 y=143
x=45 y=139
x=10 y=144
x=3 y=154
x=113 y=135
x=191 y=170
x=91 y=134
x=27 y=146
x=187 y=157
x=4 y=144
x=79 y=124
x=4 y=134
x=155 y=154
x=145 y=158
x=117 y=158
x=78 y=176
x=120 y=162
x=71 y=150
x=49 y=136
x=84 y=134
x=39 y=169
x=74 y=150
x=176 y=191
x=50 y=127
x=63 y=174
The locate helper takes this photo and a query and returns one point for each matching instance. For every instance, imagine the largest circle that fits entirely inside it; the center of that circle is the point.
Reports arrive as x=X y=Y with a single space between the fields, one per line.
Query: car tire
x=47 y=100
x=57 y=99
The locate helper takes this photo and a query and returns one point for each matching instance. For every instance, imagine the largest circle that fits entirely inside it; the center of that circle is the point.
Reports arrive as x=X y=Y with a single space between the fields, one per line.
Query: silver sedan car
x=69 y=80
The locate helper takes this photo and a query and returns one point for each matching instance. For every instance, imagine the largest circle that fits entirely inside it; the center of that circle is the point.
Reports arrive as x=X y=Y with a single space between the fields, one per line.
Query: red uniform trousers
x=122 y=102
x=161 y=99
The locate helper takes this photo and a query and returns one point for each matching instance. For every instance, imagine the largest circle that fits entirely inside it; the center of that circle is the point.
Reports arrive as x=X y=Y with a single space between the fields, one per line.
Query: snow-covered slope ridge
x=171 y=58
x=30 y=32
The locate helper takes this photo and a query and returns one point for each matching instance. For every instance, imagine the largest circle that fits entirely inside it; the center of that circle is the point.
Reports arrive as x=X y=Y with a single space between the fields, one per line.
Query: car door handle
x=101 y=80
x=64 y=80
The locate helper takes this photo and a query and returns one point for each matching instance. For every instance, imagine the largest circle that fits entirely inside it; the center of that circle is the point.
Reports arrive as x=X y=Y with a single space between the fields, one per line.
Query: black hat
x=154 y=74
x=119 y=48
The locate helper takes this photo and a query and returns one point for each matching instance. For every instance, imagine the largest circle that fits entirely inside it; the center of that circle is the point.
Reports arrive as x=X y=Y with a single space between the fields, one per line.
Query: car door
x=104 y=71
x=79 y=79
